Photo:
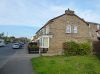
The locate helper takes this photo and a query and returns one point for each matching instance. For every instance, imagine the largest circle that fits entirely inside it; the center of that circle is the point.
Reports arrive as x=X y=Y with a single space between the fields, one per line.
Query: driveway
x=19 y=63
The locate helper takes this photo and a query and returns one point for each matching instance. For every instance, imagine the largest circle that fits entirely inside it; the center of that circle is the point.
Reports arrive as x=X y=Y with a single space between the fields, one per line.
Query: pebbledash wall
x=65 y=27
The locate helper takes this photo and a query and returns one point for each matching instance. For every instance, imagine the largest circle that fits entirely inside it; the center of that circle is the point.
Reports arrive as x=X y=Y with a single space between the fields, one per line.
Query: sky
x=22 y=18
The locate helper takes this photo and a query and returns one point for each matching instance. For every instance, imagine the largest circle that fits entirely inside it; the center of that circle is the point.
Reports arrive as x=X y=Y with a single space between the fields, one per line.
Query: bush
x=33 y=46
x=70 y=48
x=73 y=48
x=85 y=48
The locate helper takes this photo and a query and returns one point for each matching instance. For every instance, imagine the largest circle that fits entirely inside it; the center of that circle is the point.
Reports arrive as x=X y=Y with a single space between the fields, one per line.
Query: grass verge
x=66 y=65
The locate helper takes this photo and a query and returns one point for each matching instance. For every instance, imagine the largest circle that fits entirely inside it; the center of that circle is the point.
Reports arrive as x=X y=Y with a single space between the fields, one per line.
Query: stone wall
x=58 y=29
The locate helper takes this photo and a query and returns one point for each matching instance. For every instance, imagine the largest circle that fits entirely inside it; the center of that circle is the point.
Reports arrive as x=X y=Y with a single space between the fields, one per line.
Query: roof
x=72 y=13
x=50 y=22
x=93 y=23
x=81 y=19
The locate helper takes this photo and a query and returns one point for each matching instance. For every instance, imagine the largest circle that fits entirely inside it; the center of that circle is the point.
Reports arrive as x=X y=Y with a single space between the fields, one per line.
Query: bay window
x=44 y=42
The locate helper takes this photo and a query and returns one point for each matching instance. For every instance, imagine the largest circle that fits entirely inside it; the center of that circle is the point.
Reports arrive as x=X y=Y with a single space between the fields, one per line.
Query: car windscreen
x=16 y=44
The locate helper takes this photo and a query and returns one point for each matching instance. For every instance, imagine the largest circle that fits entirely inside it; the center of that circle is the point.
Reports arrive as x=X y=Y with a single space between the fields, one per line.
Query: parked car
x=21 y=44
x=16 y=46
x=2 y=43
x=33 y=47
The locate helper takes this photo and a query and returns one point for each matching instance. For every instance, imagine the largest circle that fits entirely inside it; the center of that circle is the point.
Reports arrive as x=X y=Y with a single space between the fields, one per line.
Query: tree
x=2 y=35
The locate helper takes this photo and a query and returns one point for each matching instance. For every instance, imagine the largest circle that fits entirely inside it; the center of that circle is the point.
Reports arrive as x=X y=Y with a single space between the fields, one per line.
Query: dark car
x=33 y=47
x=21 y=44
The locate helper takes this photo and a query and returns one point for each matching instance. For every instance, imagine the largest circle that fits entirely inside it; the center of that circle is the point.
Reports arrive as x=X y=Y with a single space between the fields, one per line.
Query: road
x=5 y=53
x=7 y=50
x=17 y=61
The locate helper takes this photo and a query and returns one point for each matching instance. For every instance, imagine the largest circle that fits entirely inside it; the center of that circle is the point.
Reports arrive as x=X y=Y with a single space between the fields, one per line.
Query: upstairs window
x=98 y=26
x=68 y=29
x=89 y=25
x=43 y=30
x=71 y=29
x=75 y=30
x=47 y=29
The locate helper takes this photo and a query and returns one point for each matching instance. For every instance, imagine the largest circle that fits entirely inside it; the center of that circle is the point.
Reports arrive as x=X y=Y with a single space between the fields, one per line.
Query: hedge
x=73 y=48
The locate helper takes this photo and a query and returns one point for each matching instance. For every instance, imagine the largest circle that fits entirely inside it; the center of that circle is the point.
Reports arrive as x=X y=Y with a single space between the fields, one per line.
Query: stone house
x=65 y=27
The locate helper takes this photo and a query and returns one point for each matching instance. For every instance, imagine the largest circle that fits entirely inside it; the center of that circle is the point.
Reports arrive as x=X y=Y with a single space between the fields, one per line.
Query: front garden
x=66 y=65
x=77 y=60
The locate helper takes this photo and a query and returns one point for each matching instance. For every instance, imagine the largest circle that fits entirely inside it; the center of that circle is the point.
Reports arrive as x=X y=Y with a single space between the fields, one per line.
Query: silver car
x=16 y=46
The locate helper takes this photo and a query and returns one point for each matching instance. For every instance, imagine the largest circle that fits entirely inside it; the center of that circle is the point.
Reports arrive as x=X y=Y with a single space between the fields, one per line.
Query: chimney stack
x=69 y=11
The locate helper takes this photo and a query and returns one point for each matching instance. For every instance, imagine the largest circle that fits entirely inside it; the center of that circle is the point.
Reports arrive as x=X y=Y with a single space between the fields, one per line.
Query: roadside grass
x=66 y=65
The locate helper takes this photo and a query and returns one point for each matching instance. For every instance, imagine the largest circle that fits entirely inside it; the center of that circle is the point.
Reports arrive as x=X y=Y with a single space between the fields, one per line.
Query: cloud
x=15 y=21
x=36 y=13
x=15 y=12
x=89 y=15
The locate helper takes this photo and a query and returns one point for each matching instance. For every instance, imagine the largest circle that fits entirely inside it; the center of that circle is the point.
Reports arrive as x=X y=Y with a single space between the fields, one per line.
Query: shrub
x=73 y=48
x=70 y=48
x=33 y=46
x=85 y=48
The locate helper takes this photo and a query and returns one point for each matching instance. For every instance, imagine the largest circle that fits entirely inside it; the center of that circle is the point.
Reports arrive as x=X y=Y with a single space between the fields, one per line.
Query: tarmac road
x=19 y=63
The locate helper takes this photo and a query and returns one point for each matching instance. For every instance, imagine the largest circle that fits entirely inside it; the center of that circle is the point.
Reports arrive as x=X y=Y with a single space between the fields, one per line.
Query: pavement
x=19 y=63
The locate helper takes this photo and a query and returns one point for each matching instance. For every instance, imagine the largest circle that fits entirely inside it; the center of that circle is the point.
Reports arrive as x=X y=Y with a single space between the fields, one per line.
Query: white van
x=2 y=43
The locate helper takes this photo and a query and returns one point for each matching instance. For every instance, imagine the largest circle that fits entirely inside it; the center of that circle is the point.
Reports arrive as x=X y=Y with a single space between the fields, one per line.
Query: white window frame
x=75 y=29
x=98 y=27
x=42 y=44
x=47 y=29
x=68 y=29
x=43 y=30
x=45 y=45
x=89 y=25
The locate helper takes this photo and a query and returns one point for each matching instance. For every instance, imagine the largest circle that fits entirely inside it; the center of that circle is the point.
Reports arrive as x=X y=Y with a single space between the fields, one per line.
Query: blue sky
x=24 y=17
